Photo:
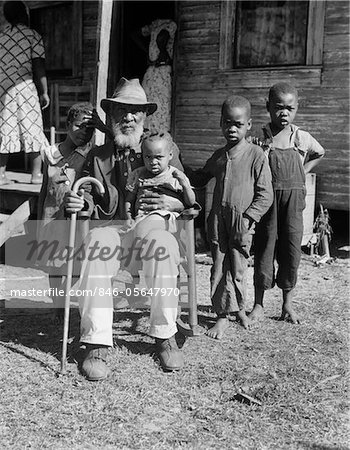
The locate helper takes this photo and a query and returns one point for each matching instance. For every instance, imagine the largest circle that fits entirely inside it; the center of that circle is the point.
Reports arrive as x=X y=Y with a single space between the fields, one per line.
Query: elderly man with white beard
x=111 y=164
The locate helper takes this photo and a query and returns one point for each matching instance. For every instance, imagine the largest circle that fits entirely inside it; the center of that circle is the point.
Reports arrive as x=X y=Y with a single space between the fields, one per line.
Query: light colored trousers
x=160 y=268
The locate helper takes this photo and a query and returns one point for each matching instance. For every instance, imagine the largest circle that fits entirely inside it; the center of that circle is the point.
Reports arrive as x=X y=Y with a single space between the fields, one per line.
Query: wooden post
x=103 y=44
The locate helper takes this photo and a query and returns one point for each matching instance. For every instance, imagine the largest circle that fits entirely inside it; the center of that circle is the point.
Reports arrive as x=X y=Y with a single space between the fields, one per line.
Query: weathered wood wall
x=200 y=88
x=90 y=17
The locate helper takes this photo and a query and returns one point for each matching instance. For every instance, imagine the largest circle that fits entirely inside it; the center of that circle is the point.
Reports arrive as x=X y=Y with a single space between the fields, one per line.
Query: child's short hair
x=236 y=101
x=282 y=88
x=155 y=135
x=78 y=109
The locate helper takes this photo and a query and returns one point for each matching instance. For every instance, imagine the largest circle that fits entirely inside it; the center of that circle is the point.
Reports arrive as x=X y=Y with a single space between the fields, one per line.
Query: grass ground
x=297 y=377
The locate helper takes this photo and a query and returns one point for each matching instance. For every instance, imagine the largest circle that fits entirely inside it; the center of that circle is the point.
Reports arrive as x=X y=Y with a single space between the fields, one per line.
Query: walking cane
x=72 y=229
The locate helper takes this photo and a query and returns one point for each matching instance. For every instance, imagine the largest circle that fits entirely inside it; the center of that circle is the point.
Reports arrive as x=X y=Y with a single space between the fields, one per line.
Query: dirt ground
x=278 y=386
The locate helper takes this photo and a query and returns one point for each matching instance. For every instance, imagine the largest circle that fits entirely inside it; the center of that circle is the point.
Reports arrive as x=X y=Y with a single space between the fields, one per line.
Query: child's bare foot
x=257 y=314
x=244 y=319
x=218 y=330
x=289 y=315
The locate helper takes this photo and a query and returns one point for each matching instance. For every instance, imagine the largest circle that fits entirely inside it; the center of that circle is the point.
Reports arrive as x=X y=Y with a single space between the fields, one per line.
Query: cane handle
x=83 y=180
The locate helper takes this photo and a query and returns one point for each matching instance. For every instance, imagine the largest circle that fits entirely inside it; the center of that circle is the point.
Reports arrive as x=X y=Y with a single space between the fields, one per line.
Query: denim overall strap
x=286 y=168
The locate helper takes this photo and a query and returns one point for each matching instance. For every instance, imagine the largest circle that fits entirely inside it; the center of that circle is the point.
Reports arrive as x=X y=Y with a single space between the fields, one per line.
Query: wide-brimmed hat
x=128 y=92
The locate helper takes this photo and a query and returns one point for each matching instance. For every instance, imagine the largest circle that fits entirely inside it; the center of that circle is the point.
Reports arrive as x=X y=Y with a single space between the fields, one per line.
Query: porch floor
x=14 y=194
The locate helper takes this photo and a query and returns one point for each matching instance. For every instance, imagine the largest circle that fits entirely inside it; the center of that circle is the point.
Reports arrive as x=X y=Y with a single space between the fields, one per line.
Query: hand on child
x=151 y=200
x=96 y=122
x=254 y=140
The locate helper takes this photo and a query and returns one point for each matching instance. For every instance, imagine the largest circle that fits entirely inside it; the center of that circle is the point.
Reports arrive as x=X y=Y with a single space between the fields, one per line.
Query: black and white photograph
x=174 y=224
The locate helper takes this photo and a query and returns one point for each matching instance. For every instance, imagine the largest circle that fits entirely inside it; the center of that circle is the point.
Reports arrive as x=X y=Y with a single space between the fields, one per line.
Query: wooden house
x=222 y=47
x=245 y=47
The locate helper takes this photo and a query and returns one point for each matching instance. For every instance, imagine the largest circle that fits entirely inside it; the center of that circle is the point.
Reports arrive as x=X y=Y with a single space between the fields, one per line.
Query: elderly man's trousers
x=160 y=271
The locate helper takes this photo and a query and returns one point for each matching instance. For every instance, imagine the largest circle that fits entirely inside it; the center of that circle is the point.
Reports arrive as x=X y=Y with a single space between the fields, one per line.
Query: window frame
x=314 y=40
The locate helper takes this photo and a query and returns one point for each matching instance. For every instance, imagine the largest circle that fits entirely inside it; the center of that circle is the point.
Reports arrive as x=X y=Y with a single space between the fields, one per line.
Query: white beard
x=131 y=139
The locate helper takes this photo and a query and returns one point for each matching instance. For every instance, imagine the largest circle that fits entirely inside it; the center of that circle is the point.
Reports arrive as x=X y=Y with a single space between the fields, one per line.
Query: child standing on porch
x=63 y=164
x=242 y=195
x=291 y=153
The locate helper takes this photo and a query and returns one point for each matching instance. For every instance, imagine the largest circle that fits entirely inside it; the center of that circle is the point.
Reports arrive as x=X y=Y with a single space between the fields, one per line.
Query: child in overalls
x=63 y=164
x=242 y=195
x=292 y=153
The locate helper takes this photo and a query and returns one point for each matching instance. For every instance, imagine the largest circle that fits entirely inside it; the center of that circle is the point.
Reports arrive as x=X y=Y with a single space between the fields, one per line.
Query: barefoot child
x=291 y=153
x=242 y=194
x=63 y=164
x=157 y=175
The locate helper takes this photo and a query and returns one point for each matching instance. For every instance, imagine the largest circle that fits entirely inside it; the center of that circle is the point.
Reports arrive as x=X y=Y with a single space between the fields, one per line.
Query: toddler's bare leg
x=288 y=312
x=257 y=313
x=218 y=330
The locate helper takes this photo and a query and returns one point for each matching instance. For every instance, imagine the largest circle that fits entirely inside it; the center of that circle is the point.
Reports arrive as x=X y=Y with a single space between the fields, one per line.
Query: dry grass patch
x=298 y=374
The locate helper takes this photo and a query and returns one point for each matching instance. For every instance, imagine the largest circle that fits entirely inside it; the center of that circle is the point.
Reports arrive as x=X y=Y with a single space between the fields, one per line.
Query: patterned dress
x=21 y=125
x=157 y=79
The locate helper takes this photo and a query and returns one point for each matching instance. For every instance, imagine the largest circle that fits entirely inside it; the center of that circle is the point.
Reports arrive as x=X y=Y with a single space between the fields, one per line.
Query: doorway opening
x=129 y=48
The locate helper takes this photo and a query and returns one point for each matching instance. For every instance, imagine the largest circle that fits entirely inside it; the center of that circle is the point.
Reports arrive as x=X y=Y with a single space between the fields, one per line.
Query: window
x=59 y=22
x=264 y=34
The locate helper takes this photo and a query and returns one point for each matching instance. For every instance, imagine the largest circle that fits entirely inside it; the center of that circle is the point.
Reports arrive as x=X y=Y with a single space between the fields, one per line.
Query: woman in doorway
x=22 y=78
x=157 y=79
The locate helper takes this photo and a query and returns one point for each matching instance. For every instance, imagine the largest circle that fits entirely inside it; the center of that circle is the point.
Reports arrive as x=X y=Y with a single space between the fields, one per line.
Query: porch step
x=14 y=194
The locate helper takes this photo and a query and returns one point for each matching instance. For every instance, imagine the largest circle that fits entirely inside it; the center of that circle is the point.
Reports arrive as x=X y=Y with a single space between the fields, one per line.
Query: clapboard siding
x=90 y=15
x=200 y=88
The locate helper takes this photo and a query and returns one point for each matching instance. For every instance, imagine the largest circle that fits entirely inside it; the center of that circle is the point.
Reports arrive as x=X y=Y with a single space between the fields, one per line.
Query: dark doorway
x=129 y=49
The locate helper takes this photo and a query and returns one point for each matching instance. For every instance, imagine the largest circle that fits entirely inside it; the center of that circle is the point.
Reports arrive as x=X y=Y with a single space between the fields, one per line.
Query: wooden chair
x=62 y=98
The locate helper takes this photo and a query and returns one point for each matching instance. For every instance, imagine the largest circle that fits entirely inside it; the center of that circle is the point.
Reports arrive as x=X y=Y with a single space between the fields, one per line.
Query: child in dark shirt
x=242 y=195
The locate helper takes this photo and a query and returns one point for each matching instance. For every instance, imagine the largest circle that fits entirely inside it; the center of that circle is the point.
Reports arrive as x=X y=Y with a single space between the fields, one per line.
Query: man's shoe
x=171 y=357
x=94 y=367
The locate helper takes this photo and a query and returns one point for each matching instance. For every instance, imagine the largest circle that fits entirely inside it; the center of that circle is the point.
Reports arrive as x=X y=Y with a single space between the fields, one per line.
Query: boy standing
x=291 y=153
x=242 y=195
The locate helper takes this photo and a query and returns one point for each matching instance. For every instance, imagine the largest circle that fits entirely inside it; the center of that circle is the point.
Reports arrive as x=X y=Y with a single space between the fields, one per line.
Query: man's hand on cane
x=74 y=202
